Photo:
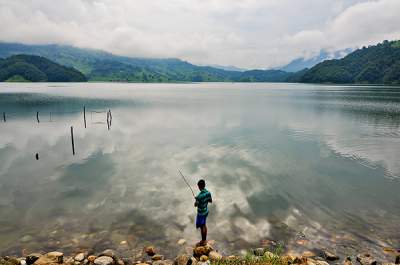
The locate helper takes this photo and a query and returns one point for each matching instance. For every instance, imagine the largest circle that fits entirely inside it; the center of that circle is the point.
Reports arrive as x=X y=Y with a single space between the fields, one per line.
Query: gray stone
x=26 y=239
x=104 y=260
x=109 y=253
x=80 y=257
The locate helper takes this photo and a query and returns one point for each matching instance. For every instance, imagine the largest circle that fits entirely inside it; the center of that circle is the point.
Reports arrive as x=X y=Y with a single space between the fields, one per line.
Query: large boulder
x=202 y=250
x=366 y=259
x=104 y=260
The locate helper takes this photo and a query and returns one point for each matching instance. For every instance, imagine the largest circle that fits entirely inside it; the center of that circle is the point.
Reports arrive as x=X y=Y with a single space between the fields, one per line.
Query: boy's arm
x=196 y=203
x=210 y=199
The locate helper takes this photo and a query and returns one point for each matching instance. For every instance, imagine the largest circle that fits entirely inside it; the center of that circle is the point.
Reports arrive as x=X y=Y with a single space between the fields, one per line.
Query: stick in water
x=184 y=179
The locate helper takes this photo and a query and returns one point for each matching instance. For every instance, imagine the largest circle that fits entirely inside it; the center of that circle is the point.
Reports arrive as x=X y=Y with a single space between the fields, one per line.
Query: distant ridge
x=378 y=64
x=103 y=66
x=31 y=68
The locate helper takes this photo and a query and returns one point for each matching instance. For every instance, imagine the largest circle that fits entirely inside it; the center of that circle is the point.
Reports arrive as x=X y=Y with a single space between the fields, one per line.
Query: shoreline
x=198 y=255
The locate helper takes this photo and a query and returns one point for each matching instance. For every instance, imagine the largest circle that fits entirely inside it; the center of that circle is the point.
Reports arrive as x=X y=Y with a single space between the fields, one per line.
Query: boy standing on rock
x=202 y=200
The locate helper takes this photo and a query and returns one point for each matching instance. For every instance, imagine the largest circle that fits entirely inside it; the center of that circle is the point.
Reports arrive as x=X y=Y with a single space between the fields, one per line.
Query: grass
x=269 y=258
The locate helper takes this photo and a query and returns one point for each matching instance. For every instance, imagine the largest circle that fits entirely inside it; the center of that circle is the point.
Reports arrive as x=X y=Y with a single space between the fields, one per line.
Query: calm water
x=310 y=166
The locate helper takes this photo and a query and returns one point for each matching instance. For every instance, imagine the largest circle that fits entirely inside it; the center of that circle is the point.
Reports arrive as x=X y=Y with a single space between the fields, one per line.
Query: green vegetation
x=269 y=258
x=103 y=66
x=23 y=68
x=379 y=64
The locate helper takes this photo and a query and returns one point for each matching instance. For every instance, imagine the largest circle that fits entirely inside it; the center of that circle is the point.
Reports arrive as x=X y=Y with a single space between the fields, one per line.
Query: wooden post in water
x=84 y=116
x=108 y=120
x=4 y=116
x=37 y=116
x=72 y=140
x=110 y=116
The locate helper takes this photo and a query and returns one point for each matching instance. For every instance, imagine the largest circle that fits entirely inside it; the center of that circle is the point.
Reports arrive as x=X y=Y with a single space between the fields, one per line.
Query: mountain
x=36 y=69
x=102 y=66
x=379 y=64
x=228 y=68
x=303 y=63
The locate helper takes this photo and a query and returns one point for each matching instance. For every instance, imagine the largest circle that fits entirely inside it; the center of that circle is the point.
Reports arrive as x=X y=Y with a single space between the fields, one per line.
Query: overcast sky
x=244 y=33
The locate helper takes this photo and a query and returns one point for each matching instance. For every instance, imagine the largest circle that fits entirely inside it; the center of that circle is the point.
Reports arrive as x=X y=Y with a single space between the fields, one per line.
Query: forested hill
x=379 y=64
x=36 y=69
x=103 y=66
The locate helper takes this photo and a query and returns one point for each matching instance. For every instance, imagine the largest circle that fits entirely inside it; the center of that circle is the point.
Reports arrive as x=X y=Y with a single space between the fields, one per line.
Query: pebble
x=80 y=257
x=55 y=256
x=181 y=260
x=203 y=258
x=181 y=242
x=157 y=257
x=330 y=256
x=150 y=250
x=104 y=260
x=366 y=259
x=26 y=239
x=91 y=258
x=214 y=256
x=109 y=253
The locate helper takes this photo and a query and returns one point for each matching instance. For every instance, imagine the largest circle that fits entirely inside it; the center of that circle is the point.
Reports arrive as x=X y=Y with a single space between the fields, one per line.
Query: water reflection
x=281 y=161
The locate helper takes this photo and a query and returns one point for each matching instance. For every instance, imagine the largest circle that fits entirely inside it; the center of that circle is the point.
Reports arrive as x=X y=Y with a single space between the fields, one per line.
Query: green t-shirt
x=203 y=199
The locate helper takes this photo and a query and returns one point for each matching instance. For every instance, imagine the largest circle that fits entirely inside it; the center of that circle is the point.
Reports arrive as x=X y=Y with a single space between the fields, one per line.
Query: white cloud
x=246 y=33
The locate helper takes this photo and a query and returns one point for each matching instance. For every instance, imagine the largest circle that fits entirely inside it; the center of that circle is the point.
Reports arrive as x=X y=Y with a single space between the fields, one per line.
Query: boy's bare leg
x=203 y=230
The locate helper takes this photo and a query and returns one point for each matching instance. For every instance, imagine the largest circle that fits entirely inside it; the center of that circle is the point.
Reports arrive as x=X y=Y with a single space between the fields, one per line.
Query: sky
x=242 y=33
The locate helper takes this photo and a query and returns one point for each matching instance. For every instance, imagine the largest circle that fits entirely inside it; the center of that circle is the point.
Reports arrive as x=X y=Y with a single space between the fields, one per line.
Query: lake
x=306 y=166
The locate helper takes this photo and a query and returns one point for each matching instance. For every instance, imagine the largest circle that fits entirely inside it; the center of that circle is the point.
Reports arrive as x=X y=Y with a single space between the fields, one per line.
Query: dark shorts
x=201 y=220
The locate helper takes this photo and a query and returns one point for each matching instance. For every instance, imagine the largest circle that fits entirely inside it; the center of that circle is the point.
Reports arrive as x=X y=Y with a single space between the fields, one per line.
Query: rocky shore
x=199 y=255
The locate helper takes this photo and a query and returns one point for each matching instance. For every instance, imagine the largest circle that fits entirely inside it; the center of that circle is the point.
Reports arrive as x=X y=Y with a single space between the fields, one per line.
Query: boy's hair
x=201 y=184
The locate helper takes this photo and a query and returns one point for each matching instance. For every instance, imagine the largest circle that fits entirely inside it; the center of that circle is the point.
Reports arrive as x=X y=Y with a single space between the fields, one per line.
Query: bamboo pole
x=72 y=140
x=84 y=115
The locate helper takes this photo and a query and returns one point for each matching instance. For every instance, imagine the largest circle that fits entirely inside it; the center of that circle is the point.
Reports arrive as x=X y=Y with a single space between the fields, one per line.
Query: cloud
x=245 y=33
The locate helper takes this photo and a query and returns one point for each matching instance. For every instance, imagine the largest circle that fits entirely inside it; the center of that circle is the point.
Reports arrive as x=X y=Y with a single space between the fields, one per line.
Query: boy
x=202 y=200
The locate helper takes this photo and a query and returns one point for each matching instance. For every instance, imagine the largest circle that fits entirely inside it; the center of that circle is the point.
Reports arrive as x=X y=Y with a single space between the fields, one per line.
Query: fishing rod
x=184 y=179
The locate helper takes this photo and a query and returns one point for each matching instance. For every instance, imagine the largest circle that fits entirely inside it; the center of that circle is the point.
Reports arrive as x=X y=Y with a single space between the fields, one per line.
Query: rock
x=31 y=258
x=397 y=259
x=202 y=250
x=308 y=254
x=56 y=256
x=181 y=242
x=157 y=257
x=80 y=257
x=91 y=258
x=214 y=256
x=347 y=261
x=9 y=261
x=70 y=261
x=204 y=262
x=270 y=255
x=120 y=262
x=104 y=260
x=44 y=260
x=181 y=260
x=203 y=258
x=26 y=239
x=109 y=253
x=150 y=250
x=366 y=259
x=330 y=256
x=258 y=252
x=22 y=262
x=311 y=261
x=321 y=262
x=163 y=262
